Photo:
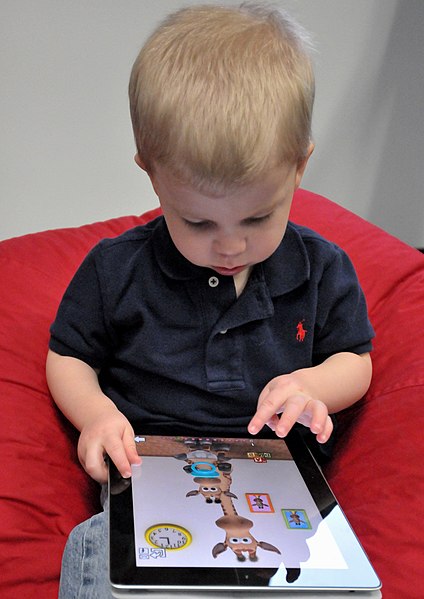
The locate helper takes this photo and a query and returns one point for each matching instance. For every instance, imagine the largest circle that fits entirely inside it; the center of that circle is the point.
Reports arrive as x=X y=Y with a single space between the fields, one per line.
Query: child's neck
x=241 y=279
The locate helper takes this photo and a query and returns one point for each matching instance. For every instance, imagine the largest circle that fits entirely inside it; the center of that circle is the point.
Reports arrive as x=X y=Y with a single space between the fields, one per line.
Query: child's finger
x=318 y=416
x=273 y=422
x=273 y=402
x=265 y=413
x=293 y=410
x=117 y=452
x=130 y=447
x=323 y=436
x=92 y=459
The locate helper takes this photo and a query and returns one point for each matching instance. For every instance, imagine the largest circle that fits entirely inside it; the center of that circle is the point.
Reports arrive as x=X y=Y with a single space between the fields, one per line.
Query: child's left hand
x=283 y=395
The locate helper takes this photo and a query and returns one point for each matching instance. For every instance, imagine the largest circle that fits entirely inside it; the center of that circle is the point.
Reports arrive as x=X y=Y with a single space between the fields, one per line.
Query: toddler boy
x=221 y=316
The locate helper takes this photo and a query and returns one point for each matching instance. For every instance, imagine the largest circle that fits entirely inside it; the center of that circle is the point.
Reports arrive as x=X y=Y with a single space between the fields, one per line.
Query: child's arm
x=310 y=394
x=104 y=429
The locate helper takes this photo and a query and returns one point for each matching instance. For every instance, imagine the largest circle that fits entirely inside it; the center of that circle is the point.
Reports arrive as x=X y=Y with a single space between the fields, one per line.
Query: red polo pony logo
x=301 y=333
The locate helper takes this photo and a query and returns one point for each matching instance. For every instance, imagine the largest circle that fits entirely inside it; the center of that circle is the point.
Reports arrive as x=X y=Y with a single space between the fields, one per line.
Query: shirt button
x=213 y=281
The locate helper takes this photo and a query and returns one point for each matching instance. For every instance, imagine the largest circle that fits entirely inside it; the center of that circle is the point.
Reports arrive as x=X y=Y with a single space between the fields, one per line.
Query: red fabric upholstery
x=376 y=474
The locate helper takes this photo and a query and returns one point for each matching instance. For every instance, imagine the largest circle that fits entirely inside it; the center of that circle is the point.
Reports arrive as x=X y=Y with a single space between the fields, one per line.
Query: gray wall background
x=66 y=150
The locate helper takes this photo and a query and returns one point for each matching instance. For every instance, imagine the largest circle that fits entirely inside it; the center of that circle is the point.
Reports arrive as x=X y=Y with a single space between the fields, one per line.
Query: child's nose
x=230 y=245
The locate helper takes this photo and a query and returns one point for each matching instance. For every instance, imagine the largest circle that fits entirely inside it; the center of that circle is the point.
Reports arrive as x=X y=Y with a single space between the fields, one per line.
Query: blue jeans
x=85 y=563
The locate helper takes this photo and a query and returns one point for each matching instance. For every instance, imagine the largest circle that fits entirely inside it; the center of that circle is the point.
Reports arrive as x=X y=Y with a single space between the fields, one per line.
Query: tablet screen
x=226 y=512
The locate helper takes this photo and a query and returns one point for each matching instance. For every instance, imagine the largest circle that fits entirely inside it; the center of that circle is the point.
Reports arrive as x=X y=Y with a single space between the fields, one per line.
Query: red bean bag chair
x=376 y=473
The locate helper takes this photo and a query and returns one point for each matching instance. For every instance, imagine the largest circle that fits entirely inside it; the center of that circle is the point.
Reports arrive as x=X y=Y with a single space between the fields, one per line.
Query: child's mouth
x=229 y=271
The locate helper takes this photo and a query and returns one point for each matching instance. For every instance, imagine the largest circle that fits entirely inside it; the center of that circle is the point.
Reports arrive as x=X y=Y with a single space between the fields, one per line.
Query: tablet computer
x=234 y=514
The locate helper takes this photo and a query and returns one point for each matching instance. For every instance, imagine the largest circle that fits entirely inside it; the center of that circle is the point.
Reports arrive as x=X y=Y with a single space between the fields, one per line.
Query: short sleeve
x=342 y=322
x=79 y=329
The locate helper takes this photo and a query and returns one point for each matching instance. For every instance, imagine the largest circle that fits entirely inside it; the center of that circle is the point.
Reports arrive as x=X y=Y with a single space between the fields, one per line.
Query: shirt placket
x=224 y=353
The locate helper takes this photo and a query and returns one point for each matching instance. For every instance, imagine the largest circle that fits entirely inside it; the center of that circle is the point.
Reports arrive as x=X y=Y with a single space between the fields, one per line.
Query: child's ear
x=139 y=162
x=301 y=166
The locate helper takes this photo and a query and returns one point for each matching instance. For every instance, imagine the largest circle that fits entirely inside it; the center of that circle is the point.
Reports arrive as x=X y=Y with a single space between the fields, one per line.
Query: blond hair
x=220 y=95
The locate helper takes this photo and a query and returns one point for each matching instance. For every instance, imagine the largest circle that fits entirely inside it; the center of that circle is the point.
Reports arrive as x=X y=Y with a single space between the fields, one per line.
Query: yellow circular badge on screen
x=168 y=536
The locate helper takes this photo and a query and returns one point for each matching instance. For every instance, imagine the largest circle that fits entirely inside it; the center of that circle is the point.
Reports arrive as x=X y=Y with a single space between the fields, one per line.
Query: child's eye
x=197 y=224
x=257 y=220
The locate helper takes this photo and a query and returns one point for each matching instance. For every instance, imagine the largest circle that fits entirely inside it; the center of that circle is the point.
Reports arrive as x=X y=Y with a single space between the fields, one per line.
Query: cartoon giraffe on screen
x=237 y=534
x=215 y=486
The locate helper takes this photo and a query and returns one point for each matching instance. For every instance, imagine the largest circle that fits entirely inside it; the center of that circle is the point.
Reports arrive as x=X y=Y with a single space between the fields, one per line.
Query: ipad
x=234 y=514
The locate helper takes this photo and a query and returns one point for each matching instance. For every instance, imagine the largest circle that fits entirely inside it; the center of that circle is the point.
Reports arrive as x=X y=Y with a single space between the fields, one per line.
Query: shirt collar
x=170 y=260
x=286 y=269
x=289 y=266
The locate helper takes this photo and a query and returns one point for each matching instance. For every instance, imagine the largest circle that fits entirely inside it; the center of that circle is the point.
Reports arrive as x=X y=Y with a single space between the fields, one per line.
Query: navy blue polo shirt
x=179 y=352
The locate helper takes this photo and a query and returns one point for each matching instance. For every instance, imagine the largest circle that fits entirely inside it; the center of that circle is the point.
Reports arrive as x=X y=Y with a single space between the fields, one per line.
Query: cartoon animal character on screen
x=205 y=458
x=295 y=518
x=212 y=489
x=237 y=534
x=259 y=502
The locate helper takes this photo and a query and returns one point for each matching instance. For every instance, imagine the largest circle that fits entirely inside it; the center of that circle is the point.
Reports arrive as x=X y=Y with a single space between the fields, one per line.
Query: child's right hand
x=111 y=434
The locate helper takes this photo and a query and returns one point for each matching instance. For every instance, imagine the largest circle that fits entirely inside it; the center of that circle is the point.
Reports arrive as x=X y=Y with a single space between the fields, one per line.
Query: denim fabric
x=85 y=560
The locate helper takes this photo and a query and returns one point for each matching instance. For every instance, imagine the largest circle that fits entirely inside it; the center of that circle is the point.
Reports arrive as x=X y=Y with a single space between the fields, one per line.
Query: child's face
x=231 y=232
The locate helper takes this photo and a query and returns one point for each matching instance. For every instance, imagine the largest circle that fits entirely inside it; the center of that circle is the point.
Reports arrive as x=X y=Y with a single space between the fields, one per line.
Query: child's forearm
x=75 y=389
x=104 y=429
x=339 y=381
